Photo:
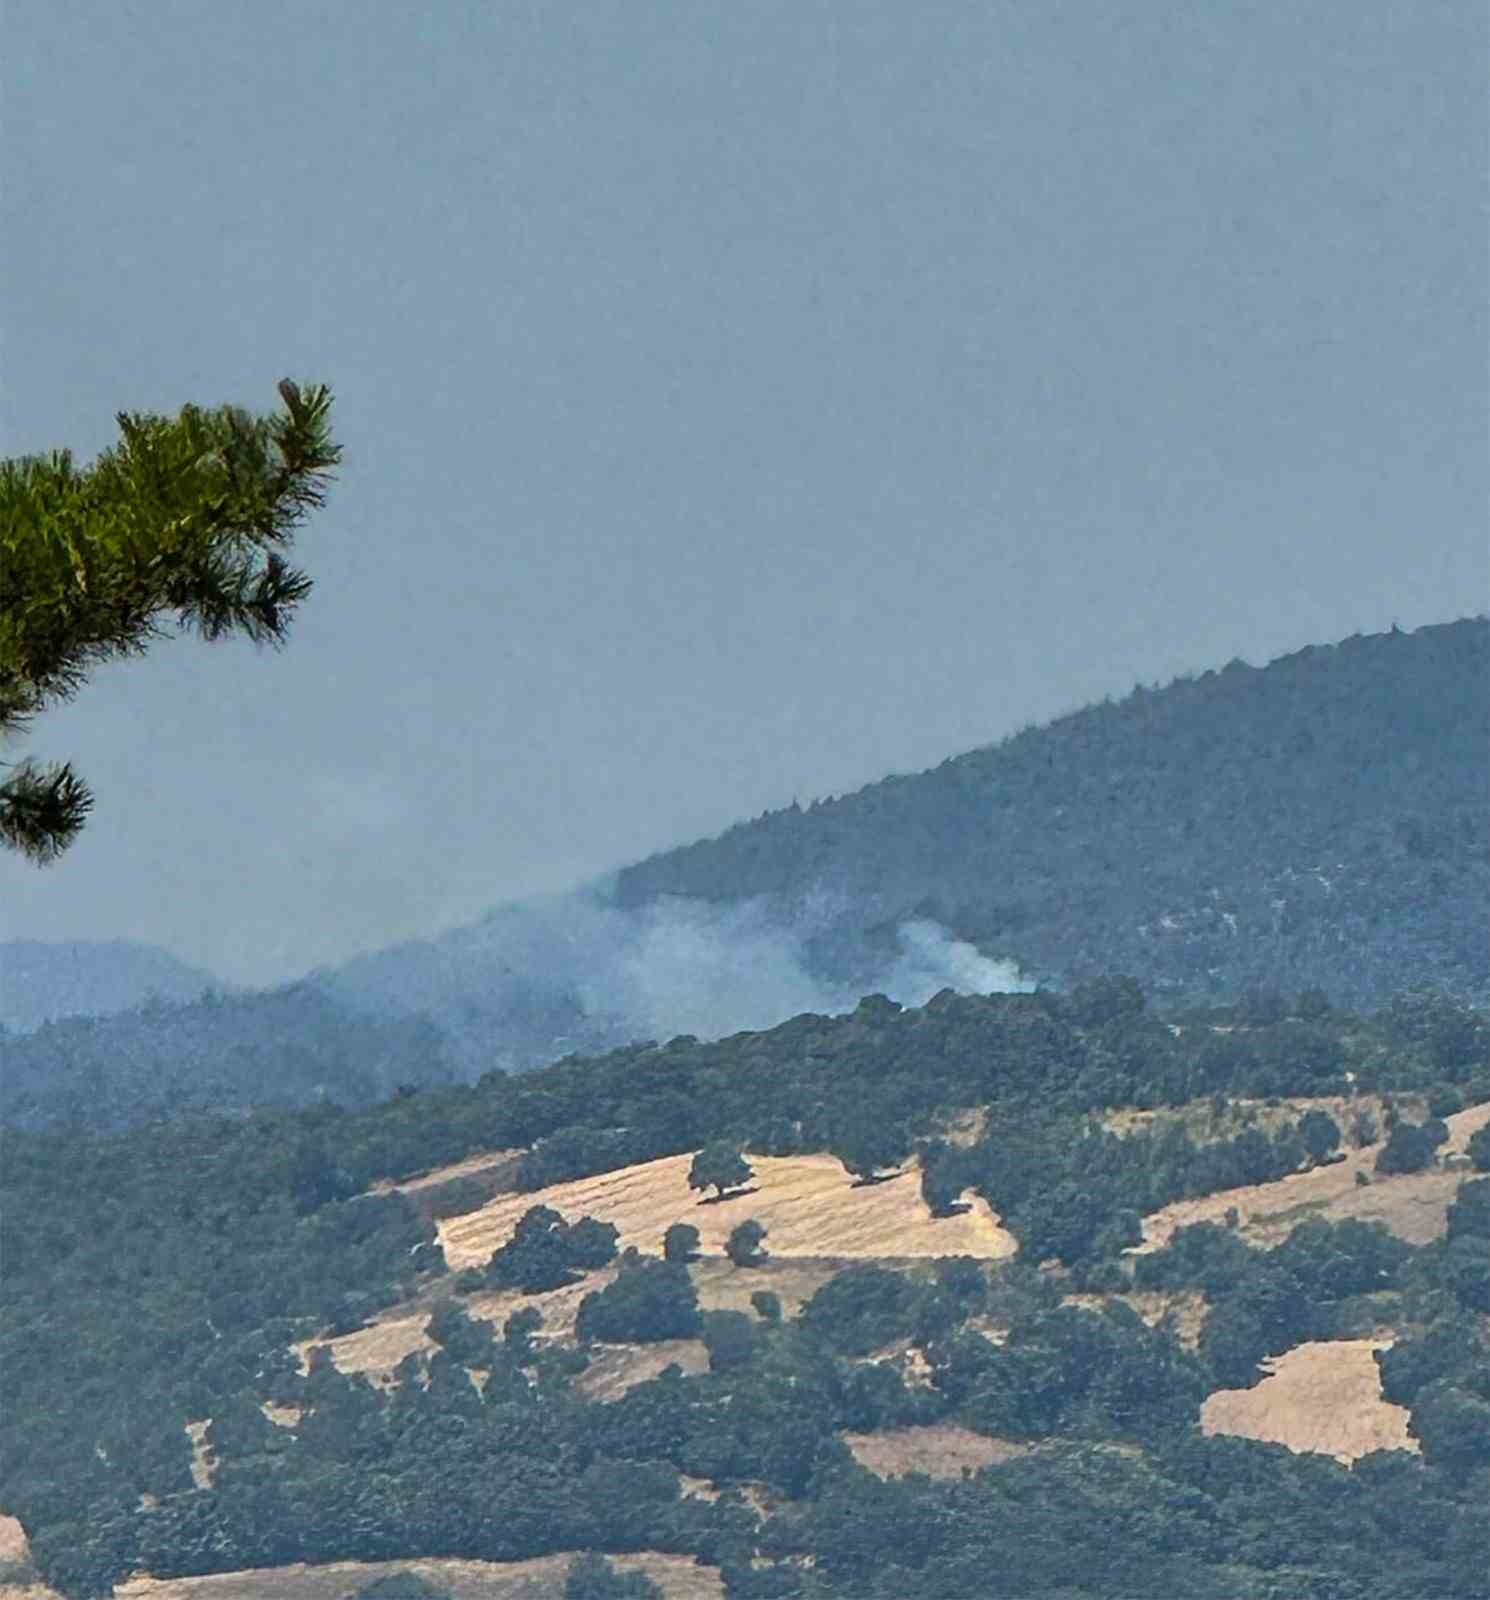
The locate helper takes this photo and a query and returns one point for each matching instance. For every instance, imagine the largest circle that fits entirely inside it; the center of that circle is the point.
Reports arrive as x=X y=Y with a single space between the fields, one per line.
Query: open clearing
x=541 y=1579
x=809 y=1204
x=1321 y=1397
x=1413 y=1204
x=939 y=1449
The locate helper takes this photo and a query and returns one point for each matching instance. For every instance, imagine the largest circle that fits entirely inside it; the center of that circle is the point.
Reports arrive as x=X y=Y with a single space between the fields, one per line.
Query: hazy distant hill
x=1320 y=821
x=42 y=981
x=223 y=1054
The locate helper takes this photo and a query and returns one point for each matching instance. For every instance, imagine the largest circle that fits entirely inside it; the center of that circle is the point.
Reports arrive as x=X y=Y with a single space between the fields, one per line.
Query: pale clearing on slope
x=939 y=1449
x=810 y=1204
x=1413 y=1205
x=540 y=1579
x=1321 y=1397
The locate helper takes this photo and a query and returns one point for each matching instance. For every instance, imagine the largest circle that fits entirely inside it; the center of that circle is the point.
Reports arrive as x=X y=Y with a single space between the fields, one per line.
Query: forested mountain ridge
x=1322 y=820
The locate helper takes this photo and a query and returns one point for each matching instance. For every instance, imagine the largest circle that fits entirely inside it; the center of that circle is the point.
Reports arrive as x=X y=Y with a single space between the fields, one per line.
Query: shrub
x=592 y=1577
x=680 y=1242
x=1479 y=1149
x=545 y=1252
x=401 y=1586
x=743 y=1246
x=861 y=1309
x=1320 y=1133
x=730 y=1339
x=649 y=1301
x=1411 y=1146
x=719 y=1166
x=767 y=1306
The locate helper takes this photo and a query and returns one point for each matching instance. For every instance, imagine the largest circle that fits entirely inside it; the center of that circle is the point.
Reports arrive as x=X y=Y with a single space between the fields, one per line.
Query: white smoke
x=932 y=960
x=674 y=966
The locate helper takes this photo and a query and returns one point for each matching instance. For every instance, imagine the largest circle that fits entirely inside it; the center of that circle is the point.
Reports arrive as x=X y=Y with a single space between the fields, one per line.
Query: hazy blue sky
x=741 y=401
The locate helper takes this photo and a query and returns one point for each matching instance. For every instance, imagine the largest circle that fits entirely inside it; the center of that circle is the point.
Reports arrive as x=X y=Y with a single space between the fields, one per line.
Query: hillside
x=442 y=1328
x=1319 y=822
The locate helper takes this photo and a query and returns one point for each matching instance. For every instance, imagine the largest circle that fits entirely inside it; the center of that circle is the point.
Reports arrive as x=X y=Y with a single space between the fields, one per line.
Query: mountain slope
x=1321 y=821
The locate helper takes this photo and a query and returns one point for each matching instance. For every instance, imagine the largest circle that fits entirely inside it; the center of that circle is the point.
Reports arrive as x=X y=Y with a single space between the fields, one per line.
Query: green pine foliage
x=185 y=521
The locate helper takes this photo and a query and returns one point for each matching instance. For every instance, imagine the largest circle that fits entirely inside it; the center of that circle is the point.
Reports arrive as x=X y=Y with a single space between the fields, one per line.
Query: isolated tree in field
x=869 y=1144
x=743 y=1246
x=680 y=1242
x=183 y=522
x=767 y=1306
x=719 y=1166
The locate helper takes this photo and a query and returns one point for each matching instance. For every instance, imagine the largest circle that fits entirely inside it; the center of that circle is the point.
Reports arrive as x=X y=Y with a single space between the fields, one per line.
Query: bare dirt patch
x=939 y=1449
x=1413 y=1205
x=810 y=1205
x=542 y=1579
x=1320 y=1397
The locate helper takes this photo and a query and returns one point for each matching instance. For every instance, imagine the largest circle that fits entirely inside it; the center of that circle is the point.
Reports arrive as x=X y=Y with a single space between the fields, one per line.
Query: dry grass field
x=819 y=1221
x=614 y=1369
x=811 y=1206
x=1413 y=1205
x=378 y=1348
x=1323 y=1397
x=541 y=1579
x=939 y=1449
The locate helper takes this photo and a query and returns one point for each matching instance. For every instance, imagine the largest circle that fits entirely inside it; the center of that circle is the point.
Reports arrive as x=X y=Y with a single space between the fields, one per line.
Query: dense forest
x=160 y=1277
x=1321 y=821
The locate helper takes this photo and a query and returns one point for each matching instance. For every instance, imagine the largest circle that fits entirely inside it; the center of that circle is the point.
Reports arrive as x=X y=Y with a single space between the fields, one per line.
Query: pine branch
x=42 y=810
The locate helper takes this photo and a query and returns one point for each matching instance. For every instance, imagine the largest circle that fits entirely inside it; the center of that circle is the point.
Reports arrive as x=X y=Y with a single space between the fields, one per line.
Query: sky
x=740 y=402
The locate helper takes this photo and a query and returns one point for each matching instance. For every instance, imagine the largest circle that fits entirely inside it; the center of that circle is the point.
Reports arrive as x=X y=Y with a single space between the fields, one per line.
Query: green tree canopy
x=743 y=1246
x=186 y=520
x=719 y=1166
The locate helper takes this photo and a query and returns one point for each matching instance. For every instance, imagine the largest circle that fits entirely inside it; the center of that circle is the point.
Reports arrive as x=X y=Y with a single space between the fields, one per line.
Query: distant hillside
x=1319 y=823
x=1322 y=821
x=40 y=982
x=289 y=1047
